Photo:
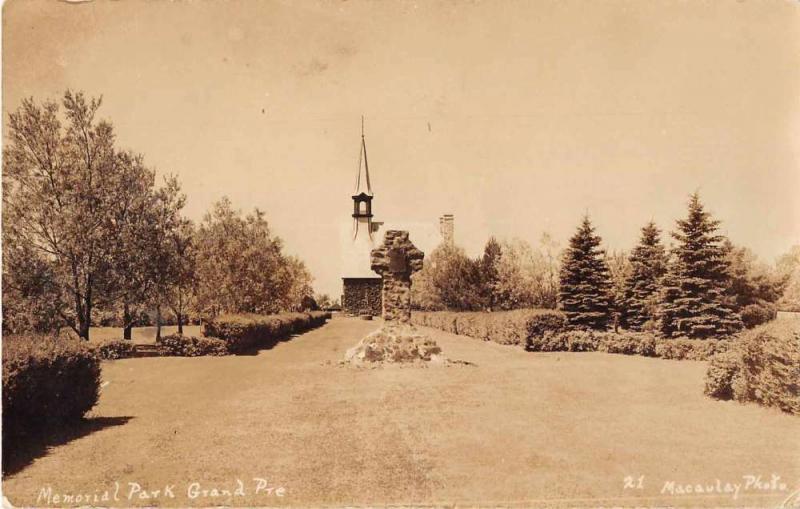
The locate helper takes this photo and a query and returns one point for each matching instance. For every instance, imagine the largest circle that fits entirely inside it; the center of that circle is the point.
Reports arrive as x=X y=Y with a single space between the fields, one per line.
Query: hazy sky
x=516 y=117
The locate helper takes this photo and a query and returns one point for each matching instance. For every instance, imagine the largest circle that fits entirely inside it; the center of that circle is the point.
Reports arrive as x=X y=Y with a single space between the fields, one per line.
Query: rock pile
x=395 y=343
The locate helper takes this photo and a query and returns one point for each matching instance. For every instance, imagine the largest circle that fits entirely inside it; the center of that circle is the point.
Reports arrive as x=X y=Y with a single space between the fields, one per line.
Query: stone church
x=361 y=287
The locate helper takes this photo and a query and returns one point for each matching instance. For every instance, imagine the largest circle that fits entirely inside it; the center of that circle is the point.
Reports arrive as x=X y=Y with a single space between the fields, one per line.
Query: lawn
x=140 y=334
x=517 y=428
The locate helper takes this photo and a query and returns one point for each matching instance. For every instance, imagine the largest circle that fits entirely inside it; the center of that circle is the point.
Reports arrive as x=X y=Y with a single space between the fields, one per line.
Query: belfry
x=361 y=292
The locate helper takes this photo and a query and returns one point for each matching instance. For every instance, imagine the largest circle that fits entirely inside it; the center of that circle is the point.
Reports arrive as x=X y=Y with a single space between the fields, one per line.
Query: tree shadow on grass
x=255 y=349
x=19 y=452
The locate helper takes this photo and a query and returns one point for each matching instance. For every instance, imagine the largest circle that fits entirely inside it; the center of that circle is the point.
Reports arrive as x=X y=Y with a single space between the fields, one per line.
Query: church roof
x=362 y=179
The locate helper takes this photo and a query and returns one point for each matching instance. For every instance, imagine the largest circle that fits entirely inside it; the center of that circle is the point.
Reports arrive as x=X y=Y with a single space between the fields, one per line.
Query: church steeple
x=362 y=196
x=363 y=184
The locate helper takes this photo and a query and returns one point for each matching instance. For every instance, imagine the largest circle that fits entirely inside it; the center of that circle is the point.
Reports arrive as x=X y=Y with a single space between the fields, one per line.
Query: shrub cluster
x=114 y=349
x=504 y=327
x=242 y=332
x=754 y=315
x=48 y=384
x=190 y=346
x=762 y=366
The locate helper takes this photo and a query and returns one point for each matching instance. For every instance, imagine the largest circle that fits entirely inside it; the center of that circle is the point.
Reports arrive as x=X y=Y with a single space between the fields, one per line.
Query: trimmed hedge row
x=190 y=346
x=504 y=327
x=762 y=366
x=545 y=330
x=243 y=332
x=48 y=384
x=627 y=343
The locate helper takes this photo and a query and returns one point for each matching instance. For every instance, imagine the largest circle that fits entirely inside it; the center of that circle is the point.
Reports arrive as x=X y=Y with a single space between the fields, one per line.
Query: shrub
x=48 y=384
x=243 y=332
x=722 y=371
x=763 y=366
x=504 y=327
x=190 y=346
x=114 y=349
x=754 y=315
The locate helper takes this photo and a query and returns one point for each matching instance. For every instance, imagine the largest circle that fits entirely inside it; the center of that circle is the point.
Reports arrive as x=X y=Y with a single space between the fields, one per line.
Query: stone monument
x=397 y=340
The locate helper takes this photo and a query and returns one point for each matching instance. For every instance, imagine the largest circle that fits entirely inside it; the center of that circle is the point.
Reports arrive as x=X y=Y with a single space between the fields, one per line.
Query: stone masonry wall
x=362 y=296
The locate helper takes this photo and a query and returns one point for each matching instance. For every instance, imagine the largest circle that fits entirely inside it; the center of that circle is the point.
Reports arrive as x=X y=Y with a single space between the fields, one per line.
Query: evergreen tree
x=648 y=262
x=585 y=282
x=693 y=300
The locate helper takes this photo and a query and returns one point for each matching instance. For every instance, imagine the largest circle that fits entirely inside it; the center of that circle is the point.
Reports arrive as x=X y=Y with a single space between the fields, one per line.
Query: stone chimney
x=446 y=229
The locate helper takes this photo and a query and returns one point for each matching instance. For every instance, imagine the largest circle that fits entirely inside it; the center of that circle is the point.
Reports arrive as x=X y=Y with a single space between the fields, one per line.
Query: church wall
x=362 y=296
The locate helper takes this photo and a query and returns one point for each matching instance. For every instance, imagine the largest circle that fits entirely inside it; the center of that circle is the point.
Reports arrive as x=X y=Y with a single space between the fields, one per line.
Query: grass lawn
x=140 y=334
x=518 y=428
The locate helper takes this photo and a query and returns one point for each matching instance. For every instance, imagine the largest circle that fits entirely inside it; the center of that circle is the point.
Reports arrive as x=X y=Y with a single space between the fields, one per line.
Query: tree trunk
x=158 y=323
x=179 y=313
x=85 y=319
x=127 y=322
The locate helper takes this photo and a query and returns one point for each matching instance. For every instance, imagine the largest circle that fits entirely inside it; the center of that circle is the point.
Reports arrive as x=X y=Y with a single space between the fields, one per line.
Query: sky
x=516 y=117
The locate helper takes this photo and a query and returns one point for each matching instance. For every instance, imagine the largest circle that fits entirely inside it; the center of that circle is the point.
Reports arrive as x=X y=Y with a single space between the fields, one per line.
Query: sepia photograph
x=400 y=253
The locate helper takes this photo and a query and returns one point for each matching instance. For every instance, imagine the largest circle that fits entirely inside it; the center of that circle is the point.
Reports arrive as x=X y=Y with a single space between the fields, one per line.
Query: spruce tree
x=585 y=283
x=693 y=300
x=648 y=262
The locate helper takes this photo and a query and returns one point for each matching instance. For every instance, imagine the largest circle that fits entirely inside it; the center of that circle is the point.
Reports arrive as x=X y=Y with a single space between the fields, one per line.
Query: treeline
x=89 y=236
x=509 y=275
x=703 y=286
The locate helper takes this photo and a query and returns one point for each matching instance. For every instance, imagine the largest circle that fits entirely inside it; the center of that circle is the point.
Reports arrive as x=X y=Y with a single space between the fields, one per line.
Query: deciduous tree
x=63 y=186
x=240 y=266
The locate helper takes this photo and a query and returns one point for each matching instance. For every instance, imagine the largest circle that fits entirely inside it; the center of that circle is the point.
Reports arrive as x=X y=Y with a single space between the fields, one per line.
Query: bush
x=243 y=332
x=763 y=366
x=504 y=327
x=754 y=315
x=114 y=349
x=722 y=371
x=190 y=346
x=48 y=384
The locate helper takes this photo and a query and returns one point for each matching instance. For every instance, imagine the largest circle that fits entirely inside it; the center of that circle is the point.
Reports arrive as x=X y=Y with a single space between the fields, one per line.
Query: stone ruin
x=397 y=341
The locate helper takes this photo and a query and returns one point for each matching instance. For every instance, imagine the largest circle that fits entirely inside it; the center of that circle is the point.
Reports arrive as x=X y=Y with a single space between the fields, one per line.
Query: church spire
x=362 y=183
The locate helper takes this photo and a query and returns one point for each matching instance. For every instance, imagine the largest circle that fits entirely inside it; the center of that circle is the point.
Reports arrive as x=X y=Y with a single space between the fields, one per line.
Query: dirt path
x=516 y=428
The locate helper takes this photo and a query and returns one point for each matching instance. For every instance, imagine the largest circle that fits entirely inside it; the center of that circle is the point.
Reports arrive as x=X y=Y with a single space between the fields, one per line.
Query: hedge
x=504 y=327
x=243 y=332
x=545 y=330
x=762 y=366
x=190 y=346
x=627 y=343
x=48 y=384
